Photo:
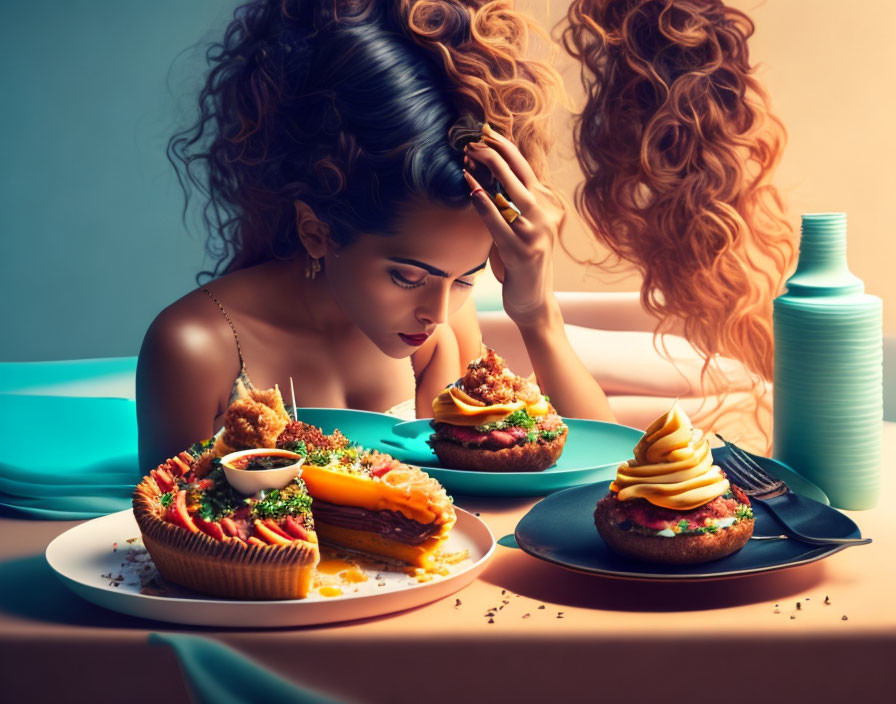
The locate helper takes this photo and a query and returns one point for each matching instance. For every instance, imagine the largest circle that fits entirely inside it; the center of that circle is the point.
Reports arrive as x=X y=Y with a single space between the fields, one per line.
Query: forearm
x=560 y=373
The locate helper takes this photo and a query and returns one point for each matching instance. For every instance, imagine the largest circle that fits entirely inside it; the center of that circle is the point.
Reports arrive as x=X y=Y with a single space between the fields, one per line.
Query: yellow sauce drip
x=454 y=406
x=672 y=467
x=330 y=591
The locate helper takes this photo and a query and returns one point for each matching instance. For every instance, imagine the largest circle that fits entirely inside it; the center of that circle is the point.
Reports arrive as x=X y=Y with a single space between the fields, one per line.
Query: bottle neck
x=822 y=269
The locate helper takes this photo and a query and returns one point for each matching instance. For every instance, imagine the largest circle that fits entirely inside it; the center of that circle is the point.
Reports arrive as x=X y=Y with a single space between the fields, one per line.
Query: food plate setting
x=560 y=530
x=592 y=453
x=103 y=561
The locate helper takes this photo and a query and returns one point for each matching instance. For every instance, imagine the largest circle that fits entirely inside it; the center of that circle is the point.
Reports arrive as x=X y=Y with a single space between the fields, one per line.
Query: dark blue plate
x=560 y=529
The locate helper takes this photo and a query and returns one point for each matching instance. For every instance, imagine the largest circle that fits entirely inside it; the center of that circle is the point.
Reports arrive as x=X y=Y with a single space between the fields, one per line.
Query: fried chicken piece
x=313 y=437
x=489 y=380
x=256 y=419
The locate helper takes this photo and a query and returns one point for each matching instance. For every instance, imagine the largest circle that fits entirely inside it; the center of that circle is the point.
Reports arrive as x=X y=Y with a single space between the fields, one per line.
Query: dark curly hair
x=346 y=106
x=678 y=145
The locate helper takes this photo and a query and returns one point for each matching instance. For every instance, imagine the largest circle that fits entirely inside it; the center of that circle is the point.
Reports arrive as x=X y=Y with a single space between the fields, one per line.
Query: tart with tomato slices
x=495 y=421
x=204 y=535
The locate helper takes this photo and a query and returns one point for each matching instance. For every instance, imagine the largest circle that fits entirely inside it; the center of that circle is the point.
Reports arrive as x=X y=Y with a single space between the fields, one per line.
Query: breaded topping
x=256 y=419
x=490 y=381
x=313 y=437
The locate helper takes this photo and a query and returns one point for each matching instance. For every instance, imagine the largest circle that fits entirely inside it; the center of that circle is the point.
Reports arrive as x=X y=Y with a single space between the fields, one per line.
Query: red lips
x=414 y=340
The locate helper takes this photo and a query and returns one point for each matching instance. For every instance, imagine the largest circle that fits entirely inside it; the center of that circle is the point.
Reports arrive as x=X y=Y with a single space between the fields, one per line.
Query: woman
x=345 y=242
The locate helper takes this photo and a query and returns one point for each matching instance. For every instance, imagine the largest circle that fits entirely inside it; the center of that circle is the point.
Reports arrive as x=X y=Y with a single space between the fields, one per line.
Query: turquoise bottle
x=828 y=385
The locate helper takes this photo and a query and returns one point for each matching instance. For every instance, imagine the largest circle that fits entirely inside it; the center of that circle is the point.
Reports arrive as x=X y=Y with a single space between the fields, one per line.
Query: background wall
x=91 y=242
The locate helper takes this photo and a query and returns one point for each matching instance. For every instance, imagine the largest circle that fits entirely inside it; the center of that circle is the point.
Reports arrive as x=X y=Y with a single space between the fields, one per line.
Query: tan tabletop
x=731 y=640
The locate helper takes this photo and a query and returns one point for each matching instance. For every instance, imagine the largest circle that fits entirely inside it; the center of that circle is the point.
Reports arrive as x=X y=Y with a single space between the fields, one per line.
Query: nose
x=433 y=309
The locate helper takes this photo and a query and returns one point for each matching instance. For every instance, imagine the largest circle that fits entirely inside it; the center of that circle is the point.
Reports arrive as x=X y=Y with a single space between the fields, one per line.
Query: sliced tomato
x=270 y=536
x=272 y=524
x=230 y=527
x=178 y=466
x=297 y=530
x=178 y=514
x=380 y=470
x=163 y=479
x=209 y=528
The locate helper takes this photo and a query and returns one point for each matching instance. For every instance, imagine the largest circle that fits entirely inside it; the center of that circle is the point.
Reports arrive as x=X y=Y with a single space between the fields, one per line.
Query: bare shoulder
x=190 y=335
x=185 y=370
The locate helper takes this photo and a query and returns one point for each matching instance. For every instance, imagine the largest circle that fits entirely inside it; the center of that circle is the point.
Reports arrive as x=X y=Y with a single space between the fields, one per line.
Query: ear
x=313 y=233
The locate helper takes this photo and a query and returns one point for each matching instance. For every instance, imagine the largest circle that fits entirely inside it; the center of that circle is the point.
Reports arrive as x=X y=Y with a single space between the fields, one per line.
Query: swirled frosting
x=672 y=467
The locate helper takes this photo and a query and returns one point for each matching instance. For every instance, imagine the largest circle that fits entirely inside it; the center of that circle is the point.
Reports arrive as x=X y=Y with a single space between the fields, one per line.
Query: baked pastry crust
x=680 y=550
x=228 y=568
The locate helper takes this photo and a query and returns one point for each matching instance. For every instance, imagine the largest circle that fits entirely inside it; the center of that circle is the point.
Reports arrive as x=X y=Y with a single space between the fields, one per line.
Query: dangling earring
x=312 y=267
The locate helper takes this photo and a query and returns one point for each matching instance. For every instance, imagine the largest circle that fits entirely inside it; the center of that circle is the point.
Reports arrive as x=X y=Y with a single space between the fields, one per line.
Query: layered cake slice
x=368 y=501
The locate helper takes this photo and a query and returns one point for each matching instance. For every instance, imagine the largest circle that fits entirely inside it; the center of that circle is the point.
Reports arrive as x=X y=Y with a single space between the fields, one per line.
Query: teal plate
x=362 y=427
x=592 y=452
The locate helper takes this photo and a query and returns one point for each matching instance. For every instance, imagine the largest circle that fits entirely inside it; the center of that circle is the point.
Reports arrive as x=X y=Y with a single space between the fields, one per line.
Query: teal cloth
x=217 y=674
x=17 y=377
x=66 y=457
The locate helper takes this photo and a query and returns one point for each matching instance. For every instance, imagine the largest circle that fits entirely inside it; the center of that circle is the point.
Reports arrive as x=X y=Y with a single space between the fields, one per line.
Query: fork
x=760 y=485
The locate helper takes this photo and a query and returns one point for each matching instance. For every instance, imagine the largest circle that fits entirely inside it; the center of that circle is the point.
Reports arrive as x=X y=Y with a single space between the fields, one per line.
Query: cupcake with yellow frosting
x=495 y=421
x=670 y=503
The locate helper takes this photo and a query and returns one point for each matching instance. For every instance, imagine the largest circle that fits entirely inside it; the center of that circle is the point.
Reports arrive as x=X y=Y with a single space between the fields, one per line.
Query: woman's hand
x=521 y=256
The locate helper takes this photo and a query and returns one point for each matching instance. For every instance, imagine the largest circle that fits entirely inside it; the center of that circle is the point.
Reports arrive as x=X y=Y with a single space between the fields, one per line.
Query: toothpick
x=292 y=391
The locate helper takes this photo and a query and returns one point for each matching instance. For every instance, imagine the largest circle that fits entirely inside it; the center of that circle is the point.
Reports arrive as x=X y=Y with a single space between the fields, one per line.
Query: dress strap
x=229 y=322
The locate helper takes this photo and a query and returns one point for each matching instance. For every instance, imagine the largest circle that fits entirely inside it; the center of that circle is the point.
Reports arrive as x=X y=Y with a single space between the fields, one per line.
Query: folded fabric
x=67 y=457
x=218 y=674
x=113 y=376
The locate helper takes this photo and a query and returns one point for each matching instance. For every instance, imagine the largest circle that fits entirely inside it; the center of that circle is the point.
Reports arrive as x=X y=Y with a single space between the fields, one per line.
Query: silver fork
x=760 y=485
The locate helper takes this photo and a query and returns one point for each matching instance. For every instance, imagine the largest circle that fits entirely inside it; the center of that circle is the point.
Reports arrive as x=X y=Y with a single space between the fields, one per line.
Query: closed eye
x=405 y=282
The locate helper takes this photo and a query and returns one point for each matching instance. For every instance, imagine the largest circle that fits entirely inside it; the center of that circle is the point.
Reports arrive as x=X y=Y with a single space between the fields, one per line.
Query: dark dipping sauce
x=257 y=462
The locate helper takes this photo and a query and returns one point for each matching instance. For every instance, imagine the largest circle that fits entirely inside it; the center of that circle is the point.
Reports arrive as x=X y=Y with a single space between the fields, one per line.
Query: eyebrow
x=431 y=269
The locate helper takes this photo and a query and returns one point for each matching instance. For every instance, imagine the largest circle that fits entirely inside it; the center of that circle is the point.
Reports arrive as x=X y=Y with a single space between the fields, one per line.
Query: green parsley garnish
x=166 y=499
x=199 y=448
x=683 y=524
x=220 y=499
x=277 y=503
x=743 y=512
x=518 y=419
x=297 y=446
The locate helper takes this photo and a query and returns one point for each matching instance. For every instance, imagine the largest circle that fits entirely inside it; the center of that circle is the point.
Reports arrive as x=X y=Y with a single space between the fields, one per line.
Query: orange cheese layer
x=456 y=407
x=672 y=468
x=407 y=490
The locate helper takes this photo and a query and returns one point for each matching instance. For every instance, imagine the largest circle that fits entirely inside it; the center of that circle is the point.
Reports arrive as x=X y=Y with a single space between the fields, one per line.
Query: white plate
x=83 y=554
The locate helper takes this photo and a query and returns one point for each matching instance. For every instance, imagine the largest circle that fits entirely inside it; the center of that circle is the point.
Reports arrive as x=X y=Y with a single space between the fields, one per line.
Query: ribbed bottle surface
x=828 y=386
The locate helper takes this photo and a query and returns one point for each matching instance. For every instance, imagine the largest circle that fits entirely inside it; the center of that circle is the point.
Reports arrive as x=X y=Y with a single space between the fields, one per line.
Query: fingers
x=484 y=154
x=502 y=233
x=511 y=154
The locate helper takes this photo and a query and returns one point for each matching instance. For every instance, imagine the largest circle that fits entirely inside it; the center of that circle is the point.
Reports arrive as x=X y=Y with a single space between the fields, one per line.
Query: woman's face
x=398 y=288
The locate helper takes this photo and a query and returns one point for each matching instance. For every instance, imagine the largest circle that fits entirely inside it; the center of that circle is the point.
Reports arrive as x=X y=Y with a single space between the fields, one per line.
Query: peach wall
x=829 y=66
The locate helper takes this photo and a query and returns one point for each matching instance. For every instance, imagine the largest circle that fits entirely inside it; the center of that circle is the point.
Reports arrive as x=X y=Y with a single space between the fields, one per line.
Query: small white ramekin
x=251 y=481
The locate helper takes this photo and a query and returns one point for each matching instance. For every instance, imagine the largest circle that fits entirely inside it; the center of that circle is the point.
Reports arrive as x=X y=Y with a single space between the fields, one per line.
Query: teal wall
x=92 y=244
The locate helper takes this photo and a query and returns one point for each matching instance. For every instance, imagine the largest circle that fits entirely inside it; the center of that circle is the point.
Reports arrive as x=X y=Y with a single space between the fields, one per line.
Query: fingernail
x=487 y=130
